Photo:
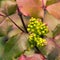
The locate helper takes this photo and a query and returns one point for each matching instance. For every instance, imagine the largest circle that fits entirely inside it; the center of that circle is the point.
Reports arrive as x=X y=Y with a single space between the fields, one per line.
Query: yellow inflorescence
x=37 y=29
x=36 y=40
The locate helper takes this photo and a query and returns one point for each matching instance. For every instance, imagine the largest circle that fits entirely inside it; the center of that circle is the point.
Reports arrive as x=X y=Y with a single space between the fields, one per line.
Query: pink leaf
x=34 y=57
x=54 y=10
x=35 y=8
x=57 y=37
x=30 y=7
x=22 y=57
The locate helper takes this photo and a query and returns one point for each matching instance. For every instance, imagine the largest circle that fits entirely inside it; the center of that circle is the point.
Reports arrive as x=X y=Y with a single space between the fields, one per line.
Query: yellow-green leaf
x=49 y=2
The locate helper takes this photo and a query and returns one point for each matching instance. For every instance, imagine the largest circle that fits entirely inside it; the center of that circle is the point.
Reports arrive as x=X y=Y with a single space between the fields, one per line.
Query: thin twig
x=2 y=15
x=12 y=21
x=20 y=15
x=38 y=51
x=16 y=24
x=55 y=43
x=44 y=8
x=2 y=19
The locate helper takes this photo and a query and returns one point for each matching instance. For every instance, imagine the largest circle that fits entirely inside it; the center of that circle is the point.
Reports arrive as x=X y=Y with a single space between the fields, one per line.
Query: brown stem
x=16 y=24
x=55 y=43
x=12 y=21
x=3 y=19
x=20 y=15
x=38 y=51
x=2 y=15
x=44 y=8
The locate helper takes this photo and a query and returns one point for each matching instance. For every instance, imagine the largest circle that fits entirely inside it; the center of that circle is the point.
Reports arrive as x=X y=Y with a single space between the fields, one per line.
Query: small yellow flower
x=32 y=30
x=34 y=24
x=29 y=25
x=32 y=46
x=39 y=33
x=37 y=27
x=41 y=28
x=40 y=41
x=42 y=44
x=32 y=19
x=28 y=29
x=43 y=32
x=34 y=34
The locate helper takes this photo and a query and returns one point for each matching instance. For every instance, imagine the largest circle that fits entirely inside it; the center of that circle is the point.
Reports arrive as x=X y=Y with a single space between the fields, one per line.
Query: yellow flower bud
x=28 y=29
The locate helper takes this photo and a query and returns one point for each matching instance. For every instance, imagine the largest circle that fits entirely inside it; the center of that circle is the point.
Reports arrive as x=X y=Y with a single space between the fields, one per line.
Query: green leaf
x=53 y=55
x=11 y=48
x=0 y=2
x=11 y=9
x=12 y=53
x=49 y=2
x=8 y=7
x=43 y=50
x=1 y=47
x=9 y=28
x=1 y=32
x=56 y=31
x=10 y=43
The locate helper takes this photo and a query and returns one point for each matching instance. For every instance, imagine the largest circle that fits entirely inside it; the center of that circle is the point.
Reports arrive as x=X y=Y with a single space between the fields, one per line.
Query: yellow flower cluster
x=37 y=29
x=35 y=40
